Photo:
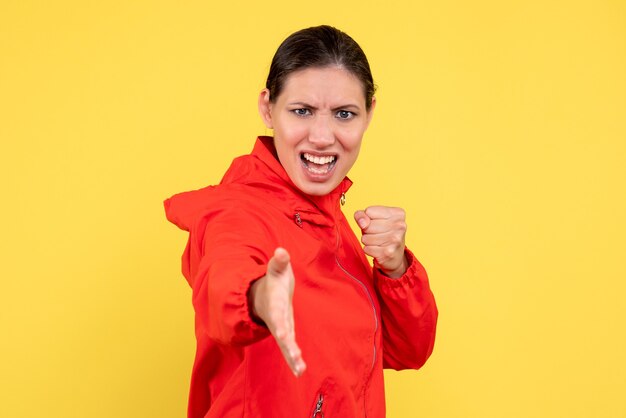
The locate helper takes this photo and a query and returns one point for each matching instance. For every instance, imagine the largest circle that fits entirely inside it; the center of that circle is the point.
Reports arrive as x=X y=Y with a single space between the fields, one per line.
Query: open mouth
x=317 y=164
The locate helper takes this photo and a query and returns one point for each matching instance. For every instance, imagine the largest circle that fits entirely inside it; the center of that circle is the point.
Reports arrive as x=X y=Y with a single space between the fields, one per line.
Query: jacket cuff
x=245 y=330
x=413 y=275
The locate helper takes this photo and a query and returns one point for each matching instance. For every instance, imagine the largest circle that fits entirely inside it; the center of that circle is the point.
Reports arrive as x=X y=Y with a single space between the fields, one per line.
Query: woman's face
x=318 y=120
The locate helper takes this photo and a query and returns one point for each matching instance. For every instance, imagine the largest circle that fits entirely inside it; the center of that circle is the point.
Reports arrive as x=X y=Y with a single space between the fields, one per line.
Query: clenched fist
x=384 y=229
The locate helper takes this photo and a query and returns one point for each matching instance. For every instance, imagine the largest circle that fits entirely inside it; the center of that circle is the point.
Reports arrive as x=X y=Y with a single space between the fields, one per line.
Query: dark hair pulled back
x=318 y=47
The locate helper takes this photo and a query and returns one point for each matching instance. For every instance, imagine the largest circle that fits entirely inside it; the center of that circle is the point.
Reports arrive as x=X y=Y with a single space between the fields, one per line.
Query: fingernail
x=362 y=223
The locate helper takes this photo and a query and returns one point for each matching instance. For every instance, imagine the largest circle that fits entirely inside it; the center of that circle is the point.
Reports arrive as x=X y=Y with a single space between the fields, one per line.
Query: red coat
x=350 y=321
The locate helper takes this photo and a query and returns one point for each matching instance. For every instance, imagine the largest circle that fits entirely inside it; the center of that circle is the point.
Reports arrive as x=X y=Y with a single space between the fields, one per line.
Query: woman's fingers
x=273 y=302
x=285 y=337
x=279 y=264
x=362 y=219
x=384 y=230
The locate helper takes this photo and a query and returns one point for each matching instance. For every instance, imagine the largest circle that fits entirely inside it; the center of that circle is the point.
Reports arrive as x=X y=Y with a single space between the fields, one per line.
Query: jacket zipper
x=367 y=292
x=369 y=296
x=318 y=408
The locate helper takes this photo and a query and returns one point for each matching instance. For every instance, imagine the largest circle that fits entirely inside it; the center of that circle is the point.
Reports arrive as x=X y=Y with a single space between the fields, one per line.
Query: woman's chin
x=317 y=188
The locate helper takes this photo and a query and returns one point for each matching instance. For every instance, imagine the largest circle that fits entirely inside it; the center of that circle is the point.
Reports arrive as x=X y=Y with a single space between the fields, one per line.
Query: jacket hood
x=261 y=170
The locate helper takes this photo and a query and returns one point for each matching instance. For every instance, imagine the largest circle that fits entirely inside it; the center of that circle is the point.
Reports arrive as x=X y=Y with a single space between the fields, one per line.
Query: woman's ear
x=370 y=112
x=265 y=108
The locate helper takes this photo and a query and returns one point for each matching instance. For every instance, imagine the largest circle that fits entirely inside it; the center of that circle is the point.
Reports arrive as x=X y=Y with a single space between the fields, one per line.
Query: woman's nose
x=321 y=132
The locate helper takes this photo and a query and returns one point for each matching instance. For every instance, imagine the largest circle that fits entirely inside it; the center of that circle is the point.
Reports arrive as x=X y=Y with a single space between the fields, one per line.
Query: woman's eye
x=302 y=112
x=345 y=114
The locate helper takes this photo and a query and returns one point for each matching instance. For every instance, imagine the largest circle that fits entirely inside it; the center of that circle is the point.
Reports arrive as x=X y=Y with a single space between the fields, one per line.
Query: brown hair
x=318 y=47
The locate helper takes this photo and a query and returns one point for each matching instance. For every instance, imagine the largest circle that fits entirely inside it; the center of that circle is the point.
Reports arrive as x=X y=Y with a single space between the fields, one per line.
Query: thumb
x=362 y=219
x=279 y=263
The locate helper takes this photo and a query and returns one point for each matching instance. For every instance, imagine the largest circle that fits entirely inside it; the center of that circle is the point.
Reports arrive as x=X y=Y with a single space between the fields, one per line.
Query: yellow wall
x=500 y=127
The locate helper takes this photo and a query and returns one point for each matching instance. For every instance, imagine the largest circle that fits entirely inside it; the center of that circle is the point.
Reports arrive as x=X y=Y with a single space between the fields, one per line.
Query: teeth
x=319 y=160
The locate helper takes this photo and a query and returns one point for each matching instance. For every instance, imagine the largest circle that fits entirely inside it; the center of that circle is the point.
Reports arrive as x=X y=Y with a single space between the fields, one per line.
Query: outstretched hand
x=384 y=230
x=271 y=301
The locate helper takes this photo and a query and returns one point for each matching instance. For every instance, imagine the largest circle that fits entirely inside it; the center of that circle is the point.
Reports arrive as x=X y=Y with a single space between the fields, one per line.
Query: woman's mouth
x=318 y=164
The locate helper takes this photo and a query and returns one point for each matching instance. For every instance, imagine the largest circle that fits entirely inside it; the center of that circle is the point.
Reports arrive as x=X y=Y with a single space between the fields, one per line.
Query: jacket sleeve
x=409 y=316
x=235 y=248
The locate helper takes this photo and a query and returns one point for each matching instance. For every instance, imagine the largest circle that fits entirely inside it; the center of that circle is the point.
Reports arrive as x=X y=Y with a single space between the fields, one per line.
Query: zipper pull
x=318 y=408
x=342 y=200
x=298 y=220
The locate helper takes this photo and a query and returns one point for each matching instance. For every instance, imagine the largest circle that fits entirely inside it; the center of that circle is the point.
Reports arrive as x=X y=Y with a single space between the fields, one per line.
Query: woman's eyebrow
x=347 y=106
x=303 y=104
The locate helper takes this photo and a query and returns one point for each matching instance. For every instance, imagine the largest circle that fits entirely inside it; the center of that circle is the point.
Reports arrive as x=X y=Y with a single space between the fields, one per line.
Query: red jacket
x=350 y=321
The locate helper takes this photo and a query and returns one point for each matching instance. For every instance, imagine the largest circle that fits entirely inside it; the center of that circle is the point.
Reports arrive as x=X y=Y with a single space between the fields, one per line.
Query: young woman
x=291 y=319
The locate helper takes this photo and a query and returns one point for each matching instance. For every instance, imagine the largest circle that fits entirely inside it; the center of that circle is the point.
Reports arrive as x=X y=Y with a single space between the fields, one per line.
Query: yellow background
x=500 y=128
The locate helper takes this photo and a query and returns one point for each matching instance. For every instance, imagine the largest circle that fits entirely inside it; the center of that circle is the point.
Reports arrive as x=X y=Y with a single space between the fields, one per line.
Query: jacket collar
x=276 y=178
